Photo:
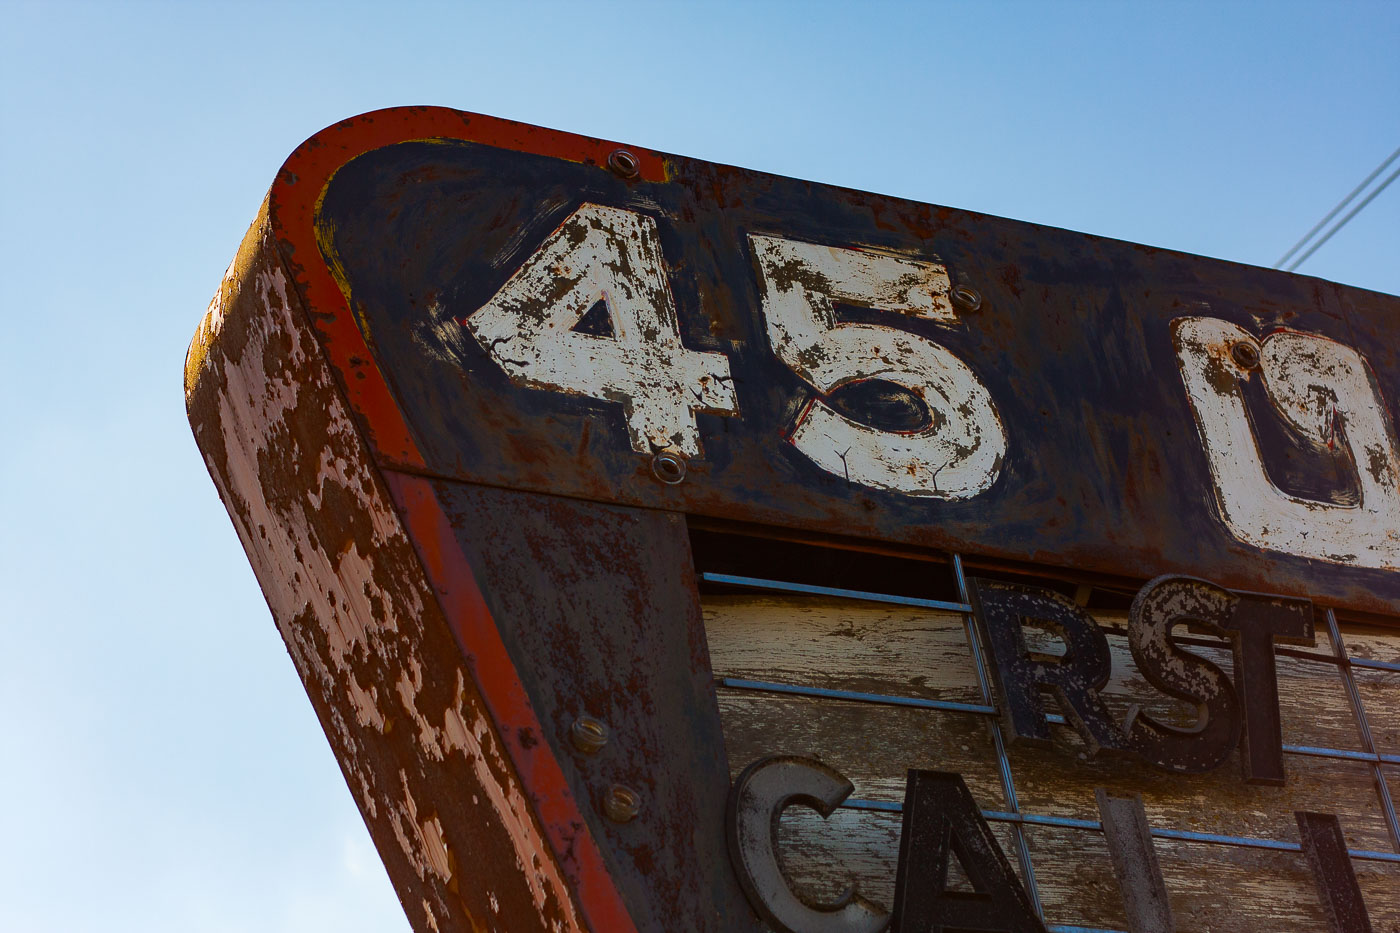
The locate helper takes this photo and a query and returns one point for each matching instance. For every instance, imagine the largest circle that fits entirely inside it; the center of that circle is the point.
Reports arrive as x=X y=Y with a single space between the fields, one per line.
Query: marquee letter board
x=670 y=546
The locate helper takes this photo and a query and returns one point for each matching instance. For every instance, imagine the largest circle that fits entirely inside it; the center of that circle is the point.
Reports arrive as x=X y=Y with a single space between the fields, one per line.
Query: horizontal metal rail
x=1317 y=751
x=1015 y=818
x=827 y=693
x=1374 y=665
x=1183 y=835
x=807 y=588
x=918 y=602
x=766 y=686
x=783 y=586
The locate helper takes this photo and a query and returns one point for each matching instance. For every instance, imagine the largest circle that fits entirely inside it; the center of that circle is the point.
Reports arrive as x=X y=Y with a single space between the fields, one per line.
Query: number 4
x=614 y=256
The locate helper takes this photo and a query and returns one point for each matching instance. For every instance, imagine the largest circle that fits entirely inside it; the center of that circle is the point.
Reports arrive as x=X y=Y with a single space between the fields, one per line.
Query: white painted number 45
x=530 y=329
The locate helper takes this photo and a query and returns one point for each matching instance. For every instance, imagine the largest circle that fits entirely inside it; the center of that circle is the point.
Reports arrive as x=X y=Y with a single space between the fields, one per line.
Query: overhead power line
x=1338 y=209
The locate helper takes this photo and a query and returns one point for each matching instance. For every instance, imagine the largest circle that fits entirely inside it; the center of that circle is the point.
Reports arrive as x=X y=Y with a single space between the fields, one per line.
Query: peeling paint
x=614 y=256
x=351 y=602
x=1327 y=393
x=956 y=456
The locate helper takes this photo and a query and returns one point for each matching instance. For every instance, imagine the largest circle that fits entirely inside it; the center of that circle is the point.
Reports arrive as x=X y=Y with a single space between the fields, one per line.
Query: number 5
x=959 y=453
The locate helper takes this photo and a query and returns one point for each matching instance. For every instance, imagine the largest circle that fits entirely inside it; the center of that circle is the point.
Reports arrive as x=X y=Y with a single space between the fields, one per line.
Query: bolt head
x=1245 y=354
x=624 y=164
x=965 y=298
x=669 y=467
x=622 y=804
x=588 y=735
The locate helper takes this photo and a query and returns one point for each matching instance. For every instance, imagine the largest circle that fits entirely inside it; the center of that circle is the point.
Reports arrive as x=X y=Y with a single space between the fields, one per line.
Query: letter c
x=756 y=803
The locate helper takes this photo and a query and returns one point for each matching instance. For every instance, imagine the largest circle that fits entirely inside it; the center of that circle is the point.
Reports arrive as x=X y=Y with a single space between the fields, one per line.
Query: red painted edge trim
x=293 y=204
x=485 y=655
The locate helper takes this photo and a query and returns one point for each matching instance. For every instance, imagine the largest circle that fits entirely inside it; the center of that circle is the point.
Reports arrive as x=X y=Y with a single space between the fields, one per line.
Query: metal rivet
x=624 y=164
x=1245 y=354
x=669 y=467
x=966 y=298
x=588 y=734
x=622 y=804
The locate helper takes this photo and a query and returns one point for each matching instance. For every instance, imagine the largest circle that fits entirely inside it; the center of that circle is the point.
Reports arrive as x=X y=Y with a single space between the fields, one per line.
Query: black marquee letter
x=1258 y=622
x=941 y=818
x=1001 y=609
x=756 y=802
x=1159 y=607
x=1245 y=713
x=1325 y=848
x=1135 y=863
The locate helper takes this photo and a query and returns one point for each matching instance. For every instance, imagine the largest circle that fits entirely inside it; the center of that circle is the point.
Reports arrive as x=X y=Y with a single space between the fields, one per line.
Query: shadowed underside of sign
x=514 y=425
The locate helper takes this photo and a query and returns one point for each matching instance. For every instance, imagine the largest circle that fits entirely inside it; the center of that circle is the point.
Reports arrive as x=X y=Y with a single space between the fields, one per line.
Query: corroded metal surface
x=470 y=385
x=597 y=611
x=504 y=309
x=362 y=625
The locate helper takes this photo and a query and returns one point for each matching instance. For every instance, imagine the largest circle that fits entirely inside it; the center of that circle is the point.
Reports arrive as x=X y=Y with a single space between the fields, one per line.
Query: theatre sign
x=667 y=546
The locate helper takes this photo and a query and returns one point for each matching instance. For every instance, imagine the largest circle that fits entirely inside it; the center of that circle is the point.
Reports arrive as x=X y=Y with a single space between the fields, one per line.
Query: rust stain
x=351 y=602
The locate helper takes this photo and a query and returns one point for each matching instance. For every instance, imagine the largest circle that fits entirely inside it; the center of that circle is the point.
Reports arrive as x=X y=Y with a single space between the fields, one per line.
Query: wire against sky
x=1334 y=211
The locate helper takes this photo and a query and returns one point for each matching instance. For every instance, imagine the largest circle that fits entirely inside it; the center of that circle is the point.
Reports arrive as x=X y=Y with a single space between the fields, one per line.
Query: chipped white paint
x=326 y=596
x=861 y=276
x=614 y=256
x=457 y=735
x=366 y=703
x=959 y=453
x=421 y=835
x=1327 y=394
x=257 y=401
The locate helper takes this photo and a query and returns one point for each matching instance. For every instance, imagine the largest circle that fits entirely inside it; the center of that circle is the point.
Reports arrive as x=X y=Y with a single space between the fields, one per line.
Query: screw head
x=965 y=298
x=588 y=734
x=622 y=804
x=1245 y=354
x=624 y=164
x=669 y=467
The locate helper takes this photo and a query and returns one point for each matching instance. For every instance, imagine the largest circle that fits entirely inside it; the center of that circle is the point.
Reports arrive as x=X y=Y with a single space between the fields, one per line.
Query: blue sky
x=163 y=769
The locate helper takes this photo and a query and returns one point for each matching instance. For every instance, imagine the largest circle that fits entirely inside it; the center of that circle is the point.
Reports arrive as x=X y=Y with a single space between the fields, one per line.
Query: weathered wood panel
x=869 y=648
x=1212 y=888
x=1371 y=642
x=1056 y=783
x=872 y=748
x=359 y=619
x=1313 y=702
x=881 y=649
x=845 y=645
x=860 y=847
x=1378 y=691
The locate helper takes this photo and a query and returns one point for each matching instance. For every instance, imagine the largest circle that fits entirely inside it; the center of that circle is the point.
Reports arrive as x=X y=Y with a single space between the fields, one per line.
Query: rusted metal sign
x=538 y=317
x=475 y=392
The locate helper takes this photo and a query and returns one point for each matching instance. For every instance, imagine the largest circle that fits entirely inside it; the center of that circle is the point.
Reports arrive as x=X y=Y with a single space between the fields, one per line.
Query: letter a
x=941 y=818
